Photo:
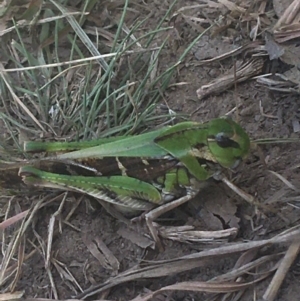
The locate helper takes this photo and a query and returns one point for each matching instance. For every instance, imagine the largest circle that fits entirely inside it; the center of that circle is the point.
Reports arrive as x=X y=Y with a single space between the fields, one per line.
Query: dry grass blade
x=231 y=53
x=230 y=5
x=246 y=196
x=288 y=26
x=280 y=83
x=221 y=283
x=66 y=275
x=273 y=140
x=24 y=23
x=241 y=269
x=288 y=32
x=101 y=252
x=290 y=13
x=51 y=299
x=243 y=72
x=17 y=100
x=240 y=272
x=49 y=252
x=15 y=243
x=12 y=220
x=285 y=181
x=188 y=262
x=282 y=270
x=66 y=63
x=188 y=234
x=12 y=296
x=201 y=287
x=21 y=256
x=82 y=35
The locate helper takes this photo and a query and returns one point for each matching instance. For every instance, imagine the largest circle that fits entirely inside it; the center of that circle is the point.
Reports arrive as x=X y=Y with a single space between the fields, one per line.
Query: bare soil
x=70 y=246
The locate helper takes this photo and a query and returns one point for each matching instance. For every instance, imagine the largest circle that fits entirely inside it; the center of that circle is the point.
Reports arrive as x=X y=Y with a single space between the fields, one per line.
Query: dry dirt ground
x=70 y=247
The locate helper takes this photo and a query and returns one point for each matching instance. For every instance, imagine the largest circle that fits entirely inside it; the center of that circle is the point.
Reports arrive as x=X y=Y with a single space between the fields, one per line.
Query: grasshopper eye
x=224 y=141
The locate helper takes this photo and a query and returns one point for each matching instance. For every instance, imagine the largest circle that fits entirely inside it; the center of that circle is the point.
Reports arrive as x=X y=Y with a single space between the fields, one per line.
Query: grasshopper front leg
x=155 y=213
x=175 y=178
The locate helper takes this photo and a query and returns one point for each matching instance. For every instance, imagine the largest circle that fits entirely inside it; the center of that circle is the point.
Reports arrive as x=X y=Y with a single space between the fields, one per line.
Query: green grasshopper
x=163 y=168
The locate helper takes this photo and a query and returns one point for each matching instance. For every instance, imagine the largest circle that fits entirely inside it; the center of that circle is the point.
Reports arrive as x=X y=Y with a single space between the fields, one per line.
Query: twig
x=281 y=272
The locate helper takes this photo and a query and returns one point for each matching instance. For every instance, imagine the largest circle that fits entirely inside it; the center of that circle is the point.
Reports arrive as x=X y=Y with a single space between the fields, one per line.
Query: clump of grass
x=74 y=92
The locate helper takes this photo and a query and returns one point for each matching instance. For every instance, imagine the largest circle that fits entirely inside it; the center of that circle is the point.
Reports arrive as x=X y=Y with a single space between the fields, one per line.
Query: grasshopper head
x=227 y=142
